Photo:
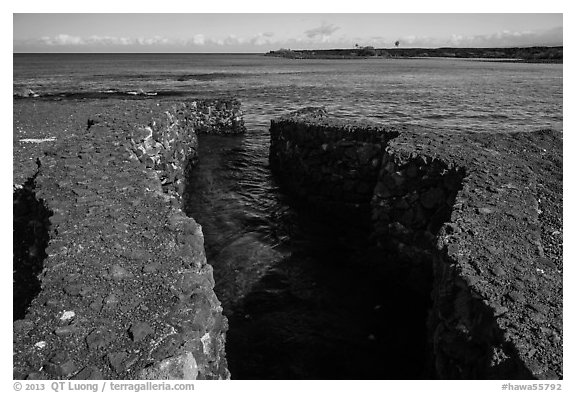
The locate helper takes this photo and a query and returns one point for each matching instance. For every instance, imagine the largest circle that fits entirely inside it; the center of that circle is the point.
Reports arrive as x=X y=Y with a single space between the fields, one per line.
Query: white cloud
x=63 y=39
x=322 y=33
x=68 y=40
x=199 y=39
x=106 y=40
x=316 y=38
x=262 y=39
x=156 y=40
x=503 y=38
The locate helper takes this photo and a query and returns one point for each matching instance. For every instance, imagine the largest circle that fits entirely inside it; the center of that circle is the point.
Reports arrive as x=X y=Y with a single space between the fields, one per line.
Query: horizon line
x=274 y=50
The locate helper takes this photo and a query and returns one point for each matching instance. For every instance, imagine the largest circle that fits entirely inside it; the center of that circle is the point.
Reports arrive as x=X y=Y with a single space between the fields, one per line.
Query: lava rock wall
x=169 y=144
x=327 y=167
x=460 y=212
x=126 y=290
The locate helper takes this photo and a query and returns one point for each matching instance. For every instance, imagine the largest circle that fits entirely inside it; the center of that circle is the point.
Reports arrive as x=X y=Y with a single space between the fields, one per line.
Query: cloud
x=68 y=40
x=199 y=39
x=106 y=40
x=233 y=40
x=261 y=39
x=156 y=40
x=62 y=39
x=503 y=38
x=321 y=33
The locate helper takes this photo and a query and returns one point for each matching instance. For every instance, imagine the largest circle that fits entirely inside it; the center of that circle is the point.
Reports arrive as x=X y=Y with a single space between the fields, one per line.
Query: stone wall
x=326 y=166
x=169 y=144
x=126 y=291
x=459 y=211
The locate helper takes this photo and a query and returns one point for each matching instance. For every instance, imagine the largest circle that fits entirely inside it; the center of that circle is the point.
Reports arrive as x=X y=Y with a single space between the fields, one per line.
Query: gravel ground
x=126 y=292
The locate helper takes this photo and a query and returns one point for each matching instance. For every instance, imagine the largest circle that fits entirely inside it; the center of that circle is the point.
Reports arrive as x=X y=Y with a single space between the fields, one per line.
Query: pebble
x=37 y=376
x=40 y=344
x=119 y=273
x=498 y=271
x=110 y=301
x=73 y=289
x=22 y=326
x=140 y=330
x=116 y=361
x=99 y=338
x=516 y=296
x=151 y=267
x=500 y=310
x=53 y=303
x=65 y=330
x=60 y=365
x=539 y=307
x=67 y=315
x=89 y=373
x=485 y=210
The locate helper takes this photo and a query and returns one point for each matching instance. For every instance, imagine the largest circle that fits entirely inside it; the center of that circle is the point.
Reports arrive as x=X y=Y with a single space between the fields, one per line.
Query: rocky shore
x=111 y=278
x=474 y=219
x=536 y=54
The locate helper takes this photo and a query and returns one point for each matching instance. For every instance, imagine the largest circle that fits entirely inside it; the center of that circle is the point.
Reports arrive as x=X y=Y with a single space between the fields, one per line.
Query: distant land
x=535 y=54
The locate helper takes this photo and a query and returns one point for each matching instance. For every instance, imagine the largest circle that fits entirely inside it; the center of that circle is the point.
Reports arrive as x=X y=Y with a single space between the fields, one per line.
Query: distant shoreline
x=536 y=54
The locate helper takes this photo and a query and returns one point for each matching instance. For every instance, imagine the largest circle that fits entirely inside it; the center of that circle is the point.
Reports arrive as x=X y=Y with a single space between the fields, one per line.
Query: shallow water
x=452 y=94
x=302 y=297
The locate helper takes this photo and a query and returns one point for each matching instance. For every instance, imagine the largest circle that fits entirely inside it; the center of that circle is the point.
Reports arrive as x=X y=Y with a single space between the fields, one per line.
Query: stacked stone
x=329 y=166
x=126 y=289
x=168 y=147
x=413 y=198
x=219 y=116
x=169 y=144
x=471 y=208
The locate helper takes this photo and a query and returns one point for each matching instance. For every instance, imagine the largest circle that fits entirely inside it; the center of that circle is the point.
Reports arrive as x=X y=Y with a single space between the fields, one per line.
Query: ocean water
x=302 y=298
x=452 y=94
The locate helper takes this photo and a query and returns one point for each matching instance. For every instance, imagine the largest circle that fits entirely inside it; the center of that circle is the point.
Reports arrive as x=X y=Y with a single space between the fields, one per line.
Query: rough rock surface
x=126 y=291
x=483 y=212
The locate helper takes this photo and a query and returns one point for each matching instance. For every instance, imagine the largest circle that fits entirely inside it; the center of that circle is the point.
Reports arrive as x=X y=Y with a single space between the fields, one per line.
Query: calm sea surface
x=451 y=94
x=300 y=300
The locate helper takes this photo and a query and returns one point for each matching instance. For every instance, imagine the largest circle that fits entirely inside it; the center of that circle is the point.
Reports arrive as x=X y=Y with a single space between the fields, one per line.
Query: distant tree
x=356 y=46
x=367 y=51
x=396 y=44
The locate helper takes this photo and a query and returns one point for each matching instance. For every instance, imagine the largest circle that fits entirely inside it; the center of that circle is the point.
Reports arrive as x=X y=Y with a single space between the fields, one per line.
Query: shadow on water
x=305 y=299
x=330 y=310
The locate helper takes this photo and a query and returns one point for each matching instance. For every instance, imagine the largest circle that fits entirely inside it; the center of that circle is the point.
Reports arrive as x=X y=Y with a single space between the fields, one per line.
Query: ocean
x=452 y=94
x=301 y=300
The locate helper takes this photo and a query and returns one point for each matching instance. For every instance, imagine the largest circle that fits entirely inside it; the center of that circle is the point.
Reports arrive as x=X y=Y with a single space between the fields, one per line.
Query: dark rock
x=517 y=297
x=432 y=198
x=60 y=365
x=89 y=373
x=139 y=330
x=110 y=302
x=73 y=289
x=117 y=272
x=116 y=361
x=498 y=271
x=65 y=330
x=22 y=326
x=485 y=210
x=151 y=267
x=18 y=374
x=37 y=376
x=99 y=338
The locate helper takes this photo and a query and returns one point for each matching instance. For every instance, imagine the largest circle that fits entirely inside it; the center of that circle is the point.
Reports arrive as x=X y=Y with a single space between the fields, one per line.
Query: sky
x=258 y=33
